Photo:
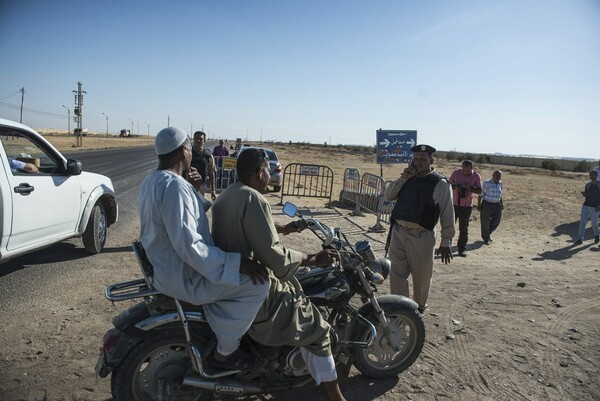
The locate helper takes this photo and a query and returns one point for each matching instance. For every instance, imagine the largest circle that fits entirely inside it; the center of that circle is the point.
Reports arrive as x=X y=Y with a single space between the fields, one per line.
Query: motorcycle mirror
x=289 y=209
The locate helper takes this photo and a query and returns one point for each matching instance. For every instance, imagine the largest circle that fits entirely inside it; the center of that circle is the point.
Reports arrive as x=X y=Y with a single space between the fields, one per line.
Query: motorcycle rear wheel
x=156 y=366
x=381 y=361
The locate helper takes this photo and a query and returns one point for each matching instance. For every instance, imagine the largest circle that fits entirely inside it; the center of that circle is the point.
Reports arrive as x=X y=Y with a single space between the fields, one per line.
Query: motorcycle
x=158 y=348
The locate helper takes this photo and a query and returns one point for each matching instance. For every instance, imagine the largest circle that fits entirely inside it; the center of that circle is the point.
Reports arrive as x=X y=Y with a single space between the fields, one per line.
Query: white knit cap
x=169 y=139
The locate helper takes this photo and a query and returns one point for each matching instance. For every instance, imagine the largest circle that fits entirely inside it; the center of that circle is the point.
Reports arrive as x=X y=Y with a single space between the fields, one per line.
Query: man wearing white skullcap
x=169 y=139
x=187 y=266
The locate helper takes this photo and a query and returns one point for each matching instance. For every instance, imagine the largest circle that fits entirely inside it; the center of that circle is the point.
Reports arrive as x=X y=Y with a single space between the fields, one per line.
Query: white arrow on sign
x=385 y=142
x=411 y=142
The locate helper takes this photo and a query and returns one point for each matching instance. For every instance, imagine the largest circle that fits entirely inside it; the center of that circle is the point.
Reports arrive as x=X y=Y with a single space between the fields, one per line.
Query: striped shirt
x=491 y=192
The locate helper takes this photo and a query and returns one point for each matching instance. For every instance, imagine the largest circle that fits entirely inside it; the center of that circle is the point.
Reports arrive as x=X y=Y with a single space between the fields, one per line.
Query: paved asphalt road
x=126 y=168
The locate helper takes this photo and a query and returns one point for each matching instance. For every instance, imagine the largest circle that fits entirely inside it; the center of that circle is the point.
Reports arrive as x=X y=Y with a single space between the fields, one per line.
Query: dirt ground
x=66 y=143
x=516 y=320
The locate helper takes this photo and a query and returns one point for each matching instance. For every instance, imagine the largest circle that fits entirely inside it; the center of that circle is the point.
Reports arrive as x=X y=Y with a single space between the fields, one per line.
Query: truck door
x=45 y=205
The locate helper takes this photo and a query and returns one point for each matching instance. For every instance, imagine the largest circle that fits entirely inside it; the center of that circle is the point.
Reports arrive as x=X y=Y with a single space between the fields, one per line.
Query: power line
x=13 y=106
x=16 y=93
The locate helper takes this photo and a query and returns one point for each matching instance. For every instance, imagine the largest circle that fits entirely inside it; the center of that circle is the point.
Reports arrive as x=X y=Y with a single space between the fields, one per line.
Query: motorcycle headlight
x=380 y=265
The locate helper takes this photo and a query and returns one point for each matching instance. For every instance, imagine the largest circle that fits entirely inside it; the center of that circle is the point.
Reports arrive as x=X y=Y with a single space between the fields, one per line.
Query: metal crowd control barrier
x=351 y=190
x=371 y=196
x=224 y=172
x=307 y=180
x=367 y=193
x=385 y=210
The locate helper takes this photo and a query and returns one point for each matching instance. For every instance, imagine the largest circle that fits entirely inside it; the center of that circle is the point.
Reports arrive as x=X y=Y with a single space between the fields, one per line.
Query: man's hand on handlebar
x=258 y=273
x=323 y=258
x=293 y=227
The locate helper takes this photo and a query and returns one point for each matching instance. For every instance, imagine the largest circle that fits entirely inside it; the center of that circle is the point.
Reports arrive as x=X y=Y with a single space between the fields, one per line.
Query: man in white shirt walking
x=490 y=205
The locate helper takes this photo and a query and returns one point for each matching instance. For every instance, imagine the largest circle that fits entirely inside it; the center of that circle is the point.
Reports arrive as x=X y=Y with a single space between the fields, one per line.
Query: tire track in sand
x=558 y=330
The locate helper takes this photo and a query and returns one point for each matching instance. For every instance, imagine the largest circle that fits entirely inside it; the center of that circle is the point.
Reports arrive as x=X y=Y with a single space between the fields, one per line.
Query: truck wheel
x=94 y=235
x=277 y=188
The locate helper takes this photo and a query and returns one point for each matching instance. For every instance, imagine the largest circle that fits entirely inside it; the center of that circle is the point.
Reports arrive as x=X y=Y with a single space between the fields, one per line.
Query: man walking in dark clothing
x=204 y=162
x=490 y=205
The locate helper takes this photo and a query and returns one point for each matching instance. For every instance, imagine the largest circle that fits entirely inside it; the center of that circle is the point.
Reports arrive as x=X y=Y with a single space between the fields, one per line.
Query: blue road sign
x=393 y=146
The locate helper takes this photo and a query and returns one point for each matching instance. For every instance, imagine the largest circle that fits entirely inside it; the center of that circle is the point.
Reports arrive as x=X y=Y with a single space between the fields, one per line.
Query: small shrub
x=582 y=167
x=483 y=158
x=550 y=165
x=451 y=155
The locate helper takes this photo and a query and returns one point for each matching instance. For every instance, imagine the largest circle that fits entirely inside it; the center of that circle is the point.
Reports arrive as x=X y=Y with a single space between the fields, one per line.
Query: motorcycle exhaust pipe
x=225 y=386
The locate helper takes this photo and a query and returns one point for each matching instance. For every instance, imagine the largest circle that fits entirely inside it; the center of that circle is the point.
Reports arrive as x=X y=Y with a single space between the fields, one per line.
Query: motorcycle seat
x=162 y=301
x=144 y=262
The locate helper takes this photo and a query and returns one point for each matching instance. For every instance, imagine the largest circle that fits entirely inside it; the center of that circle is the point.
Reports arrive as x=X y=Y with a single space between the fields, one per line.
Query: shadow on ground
x=564 y=253
x=568 y=251
x=569 y=229
x=355 y=388
x=57 y=253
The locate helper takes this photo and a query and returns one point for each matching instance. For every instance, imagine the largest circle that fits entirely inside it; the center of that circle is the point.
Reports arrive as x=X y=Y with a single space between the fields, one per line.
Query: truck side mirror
x=73 y=167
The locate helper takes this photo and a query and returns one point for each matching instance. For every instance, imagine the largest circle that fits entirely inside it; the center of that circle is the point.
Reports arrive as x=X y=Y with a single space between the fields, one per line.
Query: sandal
x=238 y=360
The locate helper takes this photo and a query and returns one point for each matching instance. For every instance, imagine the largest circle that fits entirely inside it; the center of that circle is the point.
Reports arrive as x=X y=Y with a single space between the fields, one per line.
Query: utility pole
x=68 y=119
x=168 y=121
x=261 y=135
x=148 y=130
x=131 y=132
x=79 y=113
x=106 y=115
x=138 y=127
x=22 y=99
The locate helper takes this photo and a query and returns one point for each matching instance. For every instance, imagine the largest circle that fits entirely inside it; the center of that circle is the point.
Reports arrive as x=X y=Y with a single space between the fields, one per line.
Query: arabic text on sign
x=229 y=162
x=307 y=169
x=373 y=181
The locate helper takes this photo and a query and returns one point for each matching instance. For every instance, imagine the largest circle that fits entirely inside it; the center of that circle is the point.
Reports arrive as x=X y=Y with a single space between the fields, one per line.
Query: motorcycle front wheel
x=381 y=360
x=153 y=370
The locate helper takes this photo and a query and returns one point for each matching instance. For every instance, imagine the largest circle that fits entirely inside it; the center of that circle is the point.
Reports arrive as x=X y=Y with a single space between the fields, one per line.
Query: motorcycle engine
x=294 y=364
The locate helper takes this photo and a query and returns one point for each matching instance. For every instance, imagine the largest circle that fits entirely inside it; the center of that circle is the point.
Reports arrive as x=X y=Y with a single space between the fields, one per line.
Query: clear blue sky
x=509 y=76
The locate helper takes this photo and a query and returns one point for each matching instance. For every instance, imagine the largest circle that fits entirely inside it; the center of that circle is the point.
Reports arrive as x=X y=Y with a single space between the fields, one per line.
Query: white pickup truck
x=56 y=202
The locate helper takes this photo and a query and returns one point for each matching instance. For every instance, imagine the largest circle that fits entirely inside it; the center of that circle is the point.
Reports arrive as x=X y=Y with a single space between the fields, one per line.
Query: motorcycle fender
x=404 y=302
x=168 y=318
x=130 y=316
x=400 y=300
x=109 y=359
x=139 y=317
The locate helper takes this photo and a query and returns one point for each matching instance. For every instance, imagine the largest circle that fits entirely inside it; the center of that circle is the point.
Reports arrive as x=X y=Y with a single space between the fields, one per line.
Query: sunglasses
x=263 y=158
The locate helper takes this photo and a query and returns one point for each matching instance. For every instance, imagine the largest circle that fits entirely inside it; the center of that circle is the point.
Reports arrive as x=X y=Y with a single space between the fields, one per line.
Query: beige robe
x=242 y=222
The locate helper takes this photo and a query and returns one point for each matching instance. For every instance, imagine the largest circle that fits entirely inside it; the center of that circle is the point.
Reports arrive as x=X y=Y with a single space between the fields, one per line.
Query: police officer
x=204 y=162
x=423 y=197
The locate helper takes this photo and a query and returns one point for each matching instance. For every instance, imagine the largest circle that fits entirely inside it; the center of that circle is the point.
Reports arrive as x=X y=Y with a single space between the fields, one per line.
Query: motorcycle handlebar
x=315 y=225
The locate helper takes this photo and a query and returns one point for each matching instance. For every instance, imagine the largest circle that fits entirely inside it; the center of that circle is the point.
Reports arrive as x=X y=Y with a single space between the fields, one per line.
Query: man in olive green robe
x=242 y=222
